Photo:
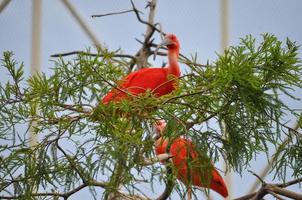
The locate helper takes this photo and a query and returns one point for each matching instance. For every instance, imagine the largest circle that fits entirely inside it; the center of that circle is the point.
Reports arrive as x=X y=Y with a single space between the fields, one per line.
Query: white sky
x=195 y=22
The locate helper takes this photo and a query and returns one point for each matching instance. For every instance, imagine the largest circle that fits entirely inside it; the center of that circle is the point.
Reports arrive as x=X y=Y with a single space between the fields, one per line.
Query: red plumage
x=184 y=152
x=159 y=81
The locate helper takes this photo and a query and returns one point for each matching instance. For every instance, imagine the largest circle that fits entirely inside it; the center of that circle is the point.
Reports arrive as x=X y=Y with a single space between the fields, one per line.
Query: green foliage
x=231 y=109
x=241 y=91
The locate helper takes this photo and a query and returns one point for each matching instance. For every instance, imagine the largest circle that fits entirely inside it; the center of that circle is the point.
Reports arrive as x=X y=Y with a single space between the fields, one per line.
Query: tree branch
x=275 y=195
x=92 y=54
x=65 y=195
x=72 y=163
x=273 y=189
x=144 y=52
x=113 y=13
x=293 y=182
x=285 y=192
x=74 y=108
x=150 y=22
x=158 y=158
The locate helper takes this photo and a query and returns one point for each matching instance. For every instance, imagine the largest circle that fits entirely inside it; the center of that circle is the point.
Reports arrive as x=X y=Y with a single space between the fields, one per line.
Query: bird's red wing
x=138 y=82
x=116 y=94
x=147 y=78
x=126 y=82
x=191 y=164
x=185 y=149
x=205 y=174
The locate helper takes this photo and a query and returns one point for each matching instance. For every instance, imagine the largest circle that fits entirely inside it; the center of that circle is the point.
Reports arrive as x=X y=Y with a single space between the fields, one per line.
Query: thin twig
x=114 y=13
x=76 y=109
x=259 y=178
x=185 y=95
x=92 y=54
x=152 y=5
x=114 y=86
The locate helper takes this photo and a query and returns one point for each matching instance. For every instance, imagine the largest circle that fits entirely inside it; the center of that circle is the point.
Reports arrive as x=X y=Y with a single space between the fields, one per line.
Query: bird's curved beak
x=165 y=42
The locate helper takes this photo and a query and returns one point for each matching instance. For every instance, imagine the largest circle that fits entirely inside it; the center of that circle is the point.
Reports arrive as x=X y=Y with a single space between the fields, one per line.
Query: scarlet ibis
x=188 y=163
x=159 y=81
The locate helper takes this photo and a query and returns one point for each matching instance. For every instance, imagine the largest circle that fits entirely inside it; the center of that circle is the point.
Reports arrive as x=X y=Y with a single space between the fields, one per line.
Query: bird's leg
x=189 y=193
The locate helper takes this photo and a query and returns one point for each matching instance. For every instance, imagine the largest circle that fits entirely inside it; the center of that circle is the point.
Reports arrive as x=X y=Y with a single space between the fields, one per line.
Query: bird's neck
x=173 y=67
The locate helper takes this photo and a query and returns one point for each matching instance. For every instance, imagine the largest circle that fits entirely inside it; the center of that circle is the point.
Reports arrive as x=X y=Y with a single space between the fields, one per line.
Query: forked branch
x=277 y=190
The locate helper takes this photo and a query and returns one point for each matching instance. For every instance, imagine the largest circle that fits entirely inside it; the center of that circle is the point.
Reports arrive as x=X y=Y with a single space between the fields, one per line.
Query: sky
x=195 y=22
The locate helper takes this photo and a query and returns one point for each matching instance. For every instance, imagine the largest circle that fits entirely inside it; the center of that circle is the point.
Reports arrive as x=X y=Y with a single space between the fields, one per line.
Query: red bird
x=159 y=81
x=193 y=173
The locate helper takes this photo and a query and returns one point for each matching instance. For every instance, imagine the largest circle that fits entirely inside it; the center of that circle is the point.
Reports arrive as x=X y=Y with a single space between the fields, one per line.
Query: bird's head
x=158 y=128
x=171 y=42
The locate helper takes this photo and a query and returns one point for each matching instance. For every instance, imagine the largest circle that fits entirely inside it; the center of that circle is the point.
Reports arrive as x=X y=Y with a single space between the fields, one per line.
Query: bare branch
x=76 y=109
x=91 y=54
x=11 y=101
x=150 y=22
x=143 y=54
x=259 y=178
x=182 y=58
x=293 y=182
x=273 y=189
x=114 y=13
x=58 y=194
x=286 y=193
x=275 y=195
